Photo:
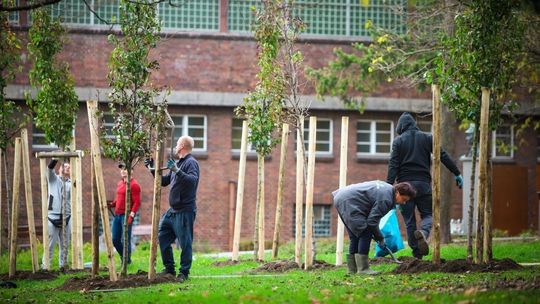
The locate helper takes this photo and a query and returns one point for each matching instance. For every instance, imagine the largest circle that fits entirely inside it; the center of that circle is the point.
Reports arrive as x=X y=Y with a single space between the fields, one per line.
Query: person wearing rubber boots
x=361 y=207
x=410 y=161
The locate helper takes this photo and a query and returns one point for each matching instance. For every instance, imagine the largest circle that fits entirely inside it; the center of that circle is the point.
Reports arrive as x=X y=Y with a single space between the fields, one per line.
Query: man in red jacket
x=119 y=205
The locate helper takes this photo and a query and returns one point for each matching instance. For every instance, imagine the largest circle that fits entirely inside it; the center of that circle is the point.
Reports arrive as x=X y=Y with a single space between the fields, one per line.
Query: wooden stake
x=1 y=204
x=488 y=250
x=156 y=211
x=95 y=221
x=96 y=156
x=240 y=192
x=300 y=187
x=17 y=164
x=482 y=173
x=260 y=254
x=29 y=200
x=79 y=214
x=342 y=183
x=44 y=212
x=436 y=197
x=281 y=180
x=73 y=202
x=60 y=154
x=308 y=262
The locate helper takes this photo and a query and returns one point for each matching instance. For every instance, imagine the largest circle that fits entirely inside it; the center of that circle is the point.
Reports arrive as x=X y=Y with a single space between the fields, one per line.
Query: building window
x=503 y=142
x=236 y=138
x=329 y=18
x=323 y=142
x=425 y=126
x=321 y=220
x=108 y=124
x=38 y=139
x=13 y=17
x=191 y=125
x=374 y=138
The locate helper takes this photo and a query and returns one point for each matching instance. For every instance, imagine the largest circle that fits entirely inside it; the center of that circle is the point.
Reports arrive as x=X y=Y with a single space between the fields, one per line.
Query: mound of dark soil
x=387 y=260
x=224 y=263
x=104 y=283
x=28 y=275
x=454 y=266
x=286 y=265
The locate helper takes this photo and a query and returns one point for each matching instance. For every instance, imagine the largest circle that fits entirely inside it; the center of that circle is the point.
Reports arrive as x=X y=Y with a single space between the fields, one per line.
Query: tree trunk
x=257 y=210
x=281 y=180
x=156 y=206
x=260 y=187
x=474 y=151
x=125 y=254
x=447 y=180
x=95 y=220
x=8 y=196
x=1 y=205
x=436 y=175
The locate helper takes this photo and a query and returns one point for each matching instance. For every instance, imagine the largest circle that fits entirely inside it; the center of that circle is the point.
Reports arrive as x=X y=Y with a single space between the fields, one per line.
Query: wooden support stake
x=342 y=183
x=76 y=213
x=156 y=210
x=482 y=174
x=488 y=227
x=17 y=164
x=45 y=212
x=100 y=184
x=261 y=227
x=300 y=187
x=436 y=197
x=240 y=192
x=73 y=201
x=281 y=181
x=95 y=221
x=60 y=154
x=1 y=204
x=308 y=260
x=29 y=200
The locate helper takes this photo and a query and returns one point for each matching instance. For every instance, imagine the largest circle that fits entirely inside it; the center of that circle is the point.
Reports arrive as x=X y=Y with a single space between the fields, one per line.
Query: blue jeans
x=118 y=234
x=359 y=244
x=173 y=226
x=423 y=203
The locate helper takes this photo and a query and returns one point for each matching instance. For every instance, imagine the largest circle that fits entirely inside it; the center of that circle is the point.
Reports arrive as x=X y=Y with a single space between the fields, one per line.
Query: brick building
x=208 y=60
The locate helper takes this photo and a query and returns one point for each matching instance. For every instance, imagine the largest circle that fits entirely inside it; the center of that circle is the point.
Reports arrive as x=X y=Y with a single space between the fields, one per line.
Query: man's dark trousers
x=176 y=225
x=423 y=203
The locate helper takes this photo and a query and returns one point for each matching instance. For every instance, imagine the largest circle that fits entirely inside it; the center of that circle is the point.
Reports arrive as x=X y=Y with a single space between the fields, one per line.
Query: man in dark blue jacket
x=410 y=161
x=361 y=207
x=177 y=222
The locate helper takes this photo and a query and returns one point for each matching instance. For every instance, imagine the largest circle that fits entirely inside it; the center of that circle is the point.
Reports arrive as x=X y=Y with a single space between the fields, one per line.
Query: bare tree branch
x=26 y=7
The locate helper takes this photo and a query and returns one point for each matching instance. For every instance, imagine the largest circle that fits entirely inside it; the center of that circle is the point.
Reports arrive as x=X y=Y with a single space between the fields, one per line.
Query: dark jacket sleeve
x=393 y=164
x=374 y=217
x=445 y=159
x=189 y=174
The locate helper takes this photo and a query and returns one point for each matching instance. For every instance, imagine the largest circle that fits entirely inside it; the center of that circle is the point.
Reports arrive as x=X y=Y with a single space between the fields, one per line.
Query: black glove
x=149 y=163
x=52 y=163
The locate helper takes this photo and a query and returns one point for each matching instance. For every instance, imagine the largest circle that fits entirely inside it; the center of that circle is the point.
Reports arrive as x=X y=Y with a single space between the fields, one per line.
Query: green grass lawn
x=208 y=284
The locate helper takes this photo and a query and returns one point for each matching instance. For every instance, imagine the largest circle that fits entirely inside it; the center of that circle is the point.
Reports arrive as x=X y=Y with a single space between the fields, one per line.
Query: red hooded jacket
x=119 y=202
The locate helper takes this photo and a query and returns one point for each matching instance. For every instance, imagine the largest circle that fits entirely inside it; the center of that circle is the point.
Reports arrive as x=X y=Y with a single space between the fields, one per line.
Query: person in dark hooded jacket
x=361 y=207
x=410 y=161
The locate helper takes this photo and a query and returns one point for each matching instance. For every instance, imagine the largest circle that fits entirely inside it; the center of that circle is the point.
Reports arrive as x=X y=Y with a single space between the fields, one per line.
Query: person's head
x=404 y=192
x=123 y=170
x=184 y=145
x=405 y=122
x=65 y=170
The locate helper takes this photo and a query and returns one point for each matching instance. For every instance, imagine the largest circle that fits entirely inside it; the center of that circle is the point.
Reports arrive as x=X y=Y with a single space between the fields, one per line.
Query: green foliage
x=132 y=97
x=56 y=103
x=263 y=107
x=10 y=49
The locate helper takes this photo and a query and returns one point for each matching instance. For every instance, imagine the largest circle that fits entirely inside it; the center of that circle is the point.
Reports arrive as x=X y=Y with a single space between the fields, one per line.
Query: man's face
x=179 y=146
x=401 y=199
x=123 y=172
x=66 y=169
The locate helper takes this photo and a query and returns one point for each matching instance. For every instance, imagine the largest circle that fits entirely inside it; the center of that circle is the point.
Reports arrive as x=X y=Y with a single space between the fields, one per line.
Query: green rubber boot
x=351 y=264
x=362 y=262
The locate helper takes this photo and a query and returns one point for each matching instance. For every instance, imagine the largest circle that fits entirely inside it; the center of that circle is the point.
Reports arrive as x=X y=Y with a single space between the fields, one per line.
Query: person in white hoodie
x=54 y=208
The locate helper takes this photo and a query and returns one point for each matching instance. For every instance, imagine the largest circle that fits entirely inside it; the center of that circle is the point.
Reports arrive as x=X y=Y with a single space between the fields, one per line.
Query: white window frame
x=35 y=134
x=373 y=137
x=317 y=140
x=108 y=124
x=324 y=208
x=250 y=148
x=185 y=127
x=494 y=143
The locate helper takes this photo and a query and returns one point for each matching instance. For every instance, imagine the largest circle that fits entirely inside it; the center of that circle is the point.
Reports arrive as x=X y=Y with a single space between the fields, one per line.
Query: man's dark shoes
x=423 y=247
x=181 y=278
x=166 y=272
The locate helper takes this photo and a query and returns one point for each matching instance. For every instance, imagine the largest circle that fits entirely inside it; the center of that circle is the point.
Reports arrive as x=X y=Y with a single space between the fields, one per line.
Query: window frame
x=317 y=140
x=250 y=149
x=185 y=128
x=373 y=138
x=326 y=215
x=494 y=143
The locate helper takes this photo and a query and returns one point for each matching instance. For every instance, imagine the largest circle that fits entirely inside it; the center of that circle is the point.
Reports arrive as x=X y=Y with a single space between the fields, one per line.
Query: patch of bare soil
x=387 y=260
x=454 y=266
x=28 y=275
x=139 y=279
x=286 y=265
x=224 y=263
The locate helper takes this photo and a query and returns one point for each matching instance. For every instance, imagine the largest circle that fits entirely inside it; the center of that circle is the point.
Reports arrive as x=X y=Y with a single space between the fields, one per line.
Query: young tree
x=132 y=99
x=56 y=104
x=263 y=106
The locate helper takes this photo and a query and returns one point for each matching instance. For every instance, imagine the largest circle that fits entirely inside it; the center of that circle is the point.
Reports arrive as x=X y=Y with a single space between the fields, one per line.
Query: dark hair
x=405 y=189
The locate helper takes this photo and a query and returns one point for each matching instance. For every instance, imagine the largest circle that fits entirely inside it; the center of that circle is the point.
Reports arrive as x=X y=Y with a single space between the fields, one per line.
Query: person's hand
x=111 y=204
x=459 y=181
x=131 y=217
x=149 y=163
x=172 y=165
x=52 y=163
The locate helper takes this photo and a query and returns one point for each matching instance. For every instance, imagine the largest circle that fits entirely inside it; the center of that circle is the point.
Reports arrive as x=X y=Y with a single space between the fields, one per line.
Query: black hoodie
x=410 y=159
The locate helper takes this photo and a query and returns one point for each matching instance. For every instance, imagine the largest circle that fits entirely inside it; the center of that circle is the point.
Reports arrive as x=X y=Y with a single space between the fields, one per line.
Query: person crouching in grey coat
x=361 y=207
